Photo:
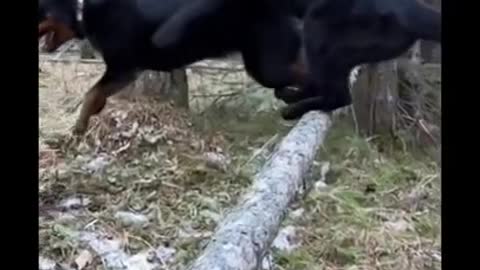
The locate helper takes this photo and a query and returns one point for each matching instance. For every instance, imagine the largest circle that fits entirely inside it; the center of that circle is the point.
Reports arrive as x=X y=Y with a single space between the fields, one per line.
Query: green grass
x=380 y=210
x=365 y=219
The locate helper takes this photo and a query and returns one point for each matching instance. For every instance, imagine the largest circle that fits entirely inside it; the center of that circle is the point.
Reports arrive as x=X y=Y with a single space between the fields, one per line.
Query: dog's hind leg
x=96 y=98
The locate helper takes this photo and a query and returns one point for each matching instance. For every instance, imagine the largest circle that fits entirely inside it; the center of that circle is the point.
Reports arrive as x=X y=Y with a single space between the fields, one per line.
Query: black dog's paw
x=296 y=110
x=290 y=94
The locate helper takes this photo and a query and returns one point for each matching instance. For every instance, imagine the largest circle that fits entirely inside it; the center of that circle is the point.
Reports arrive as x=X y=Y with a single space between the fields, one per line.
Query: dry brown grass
x=61 y=90
x=380 y=209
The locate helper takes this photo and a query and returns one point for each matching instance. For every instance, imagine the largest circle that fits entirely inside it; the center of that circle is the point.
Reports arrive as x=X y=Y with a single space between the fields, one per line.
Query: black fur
x=273 y=40
x=122 y=30
x=266 y=32
x=270 y=22
x=341 y=34
x=201 y=13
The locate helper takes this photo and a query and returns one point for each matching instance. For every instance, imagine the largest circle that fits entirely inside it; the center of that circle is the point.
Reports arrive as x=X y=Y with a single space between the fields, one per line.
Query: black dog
x=201 y=13
x=122 y=30
x=341 y=34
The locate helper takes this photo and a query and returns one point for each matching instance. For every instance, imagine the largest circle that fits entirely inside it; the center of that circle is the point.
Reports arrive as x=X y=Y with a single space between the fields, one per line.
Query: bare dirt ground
x=147 y=185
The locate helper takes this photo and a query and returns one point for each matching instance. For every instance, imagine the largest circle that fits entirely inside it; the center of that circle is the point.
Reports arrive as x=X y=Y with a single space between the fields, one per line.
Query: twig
x=218 y=95
x=425 y=129
x=257 y=152
x=66 y=60
x=239 y=68
x=63 y=50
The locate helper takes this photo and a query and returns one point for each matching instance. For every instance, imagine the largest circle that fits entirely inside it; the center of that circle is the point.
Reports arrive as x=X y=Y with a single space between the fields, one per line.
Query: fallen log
x=244 y=236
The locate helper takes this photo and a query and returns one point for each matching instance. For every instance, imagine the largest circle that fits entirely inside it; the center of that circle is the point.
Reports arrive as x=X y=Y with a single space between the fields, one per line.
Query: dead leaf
x=83 y=259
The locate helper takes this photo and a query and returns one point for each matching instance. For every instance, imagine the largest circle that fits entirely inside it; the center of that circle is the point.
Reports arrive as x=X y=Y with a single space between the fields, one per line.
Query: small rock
x=74 y=203
x=83 y=147
x=437 y=256
x=65 y=218
x=109 y=249
x=112 y=180
x=320 y=186
x=286 y=239
x=131 y=219
x=83 y=259
x=209 y=202
x=46 y=264
x=62 y=172
x=97 y=164
x=324 y=171
x=267 y=262
x=297 y=213
x=151 y=259
x=140 y=261
x=216 y=161
x=414 y=199
x=398 y=226
x=211 y=215
x=165 y=254
x=196 y=145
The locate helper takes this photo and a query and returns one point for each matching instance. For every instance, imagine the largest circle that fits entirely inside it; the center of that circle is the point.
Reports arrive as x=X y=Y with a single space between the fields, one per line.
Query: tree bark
x=431 y=51
x=180 y=83
x=86 y=50
x=246 y=233
x=374 y=98
x=162 y=85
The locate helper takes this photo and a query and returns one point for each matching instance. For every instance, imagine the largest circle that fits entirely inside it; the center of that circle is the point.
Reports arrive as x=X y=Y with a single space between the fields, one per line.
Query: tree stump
x=86 y=50
x=166 y=86
x=432 y=52
x=374 y=98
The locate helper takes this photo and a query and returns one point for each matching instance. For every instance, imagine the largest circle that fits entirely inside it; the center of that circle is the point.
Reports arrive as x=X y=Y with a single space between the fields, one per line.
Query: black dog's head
x=57 y=21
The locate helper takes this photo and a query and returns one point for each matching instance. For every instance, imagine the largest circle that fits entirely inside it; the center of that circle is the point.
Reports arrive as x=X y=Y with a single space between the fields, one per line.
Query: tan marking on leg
x=93 y=103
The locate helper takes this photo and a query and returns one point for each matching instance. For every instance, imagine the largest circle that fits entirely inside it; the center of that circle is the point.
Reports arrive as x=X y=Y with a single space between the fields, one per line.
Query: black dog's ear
x=42 y=11
x=64 y=11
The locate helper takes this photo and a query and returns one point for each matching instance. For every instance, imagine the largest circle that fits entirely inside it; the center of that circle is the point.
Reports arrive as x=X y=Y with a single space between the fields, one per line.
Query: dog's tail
x=425 y=21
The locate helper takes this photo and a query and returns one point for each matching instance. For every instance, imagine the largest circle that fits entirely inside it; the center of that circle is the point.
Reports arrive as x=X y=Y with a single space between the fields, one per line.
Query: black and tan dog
x=342 y=34
x=122 y=30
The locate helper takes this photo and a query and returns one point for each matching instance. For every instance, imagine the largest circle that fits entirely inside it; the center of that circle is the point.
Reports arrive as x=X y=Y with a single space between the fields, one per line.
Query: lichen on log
x=244 y=236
